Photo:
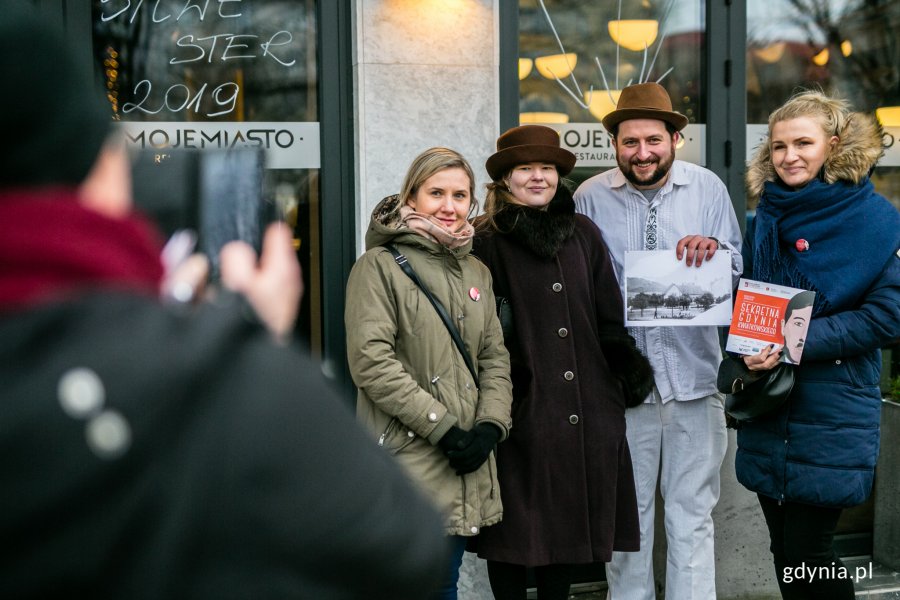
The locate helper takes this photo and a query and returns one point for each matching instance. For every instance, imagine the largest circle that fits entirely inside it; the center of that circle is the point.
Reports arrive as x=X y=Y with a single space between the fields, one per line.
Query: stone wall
x=425 y=74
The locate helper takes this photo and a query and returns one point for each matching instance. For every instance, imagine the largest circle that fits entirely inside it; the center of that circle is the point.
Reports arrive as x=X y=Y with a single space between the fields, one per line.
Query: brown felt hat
x=644 y=101
x=525 y=144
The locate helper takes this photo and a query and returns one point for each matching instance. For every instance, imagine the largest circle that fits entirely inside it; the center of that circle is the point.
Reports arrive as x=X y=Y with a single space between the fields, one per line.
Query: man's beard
x=662 y=169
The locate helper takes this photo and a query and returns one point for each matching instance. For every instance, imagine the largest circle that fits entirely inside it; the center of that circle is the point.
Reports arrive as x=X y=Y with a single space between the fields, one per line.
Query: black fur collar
x=541 y=231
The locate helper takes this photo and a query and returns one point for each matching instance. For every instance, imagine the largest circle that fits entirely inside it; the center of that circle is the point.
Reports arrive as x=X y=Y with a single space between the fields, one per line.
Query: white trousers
x=683 y=444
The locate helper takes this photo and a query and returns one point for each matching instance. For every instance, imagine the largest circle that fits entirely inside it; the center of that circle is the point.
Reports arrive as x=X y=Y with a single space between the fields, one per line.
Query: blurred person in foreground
x=820 y=226
x=153 y=451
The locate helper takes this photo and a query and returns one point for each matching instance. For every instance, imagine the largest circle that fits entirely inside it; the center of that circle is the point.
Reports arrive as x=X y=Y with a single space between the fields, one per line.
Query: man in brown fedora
x=677 y=436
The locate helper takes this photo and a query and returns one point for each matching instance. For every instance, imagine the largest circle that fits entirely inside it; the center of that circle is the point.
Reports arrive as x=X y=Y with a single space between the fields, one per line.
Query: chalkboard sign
x=199 y=84
x=212 y=74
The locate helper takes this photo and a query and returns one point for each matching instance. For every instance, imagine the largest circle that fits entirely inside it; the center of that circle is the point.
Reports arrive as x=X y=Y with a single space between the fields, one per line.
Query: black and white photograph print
x=660 y=290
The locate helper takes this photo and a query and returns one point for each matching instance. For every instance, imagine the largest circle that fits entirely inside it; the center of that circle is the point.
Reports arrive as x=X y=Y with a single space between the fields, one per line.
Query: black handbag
x=752 y=394
x=505 y=315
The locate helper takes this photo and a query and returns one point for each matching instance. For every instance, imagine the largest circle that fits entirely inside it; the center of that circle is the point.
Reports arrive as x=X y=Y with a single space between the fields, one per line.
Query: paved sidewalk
x=876 y=582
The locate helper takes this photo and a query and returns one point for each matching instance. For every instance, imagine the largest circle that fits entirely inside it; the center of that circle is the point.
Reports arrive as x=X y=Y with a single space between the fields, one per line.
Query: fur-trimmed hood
x=389 y=225
x=858 y=150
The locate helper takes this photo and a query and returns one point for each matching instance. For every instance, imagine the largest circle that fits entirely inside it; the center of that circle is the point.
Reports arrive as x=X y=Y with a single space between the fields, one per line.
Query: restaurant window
x=575 y=57
x=849 y=48
x=223 y=75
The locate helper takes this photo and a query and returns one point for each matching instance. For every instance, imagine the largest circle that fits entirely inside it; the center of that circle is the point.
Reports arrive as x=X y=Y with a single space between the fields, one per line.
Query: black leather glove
x=455 y=439
x=468 y=458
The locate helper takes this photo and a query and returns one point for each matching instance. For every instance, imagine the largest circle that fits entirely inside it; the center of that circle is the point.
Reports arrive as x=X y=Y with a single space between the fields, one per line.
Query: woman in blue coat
x=820 y=226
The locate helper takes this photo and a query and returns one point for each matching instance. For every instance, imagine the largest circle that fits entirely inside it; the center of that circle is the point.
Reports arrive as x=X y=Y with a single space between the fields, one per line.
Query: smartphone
x=216 y=193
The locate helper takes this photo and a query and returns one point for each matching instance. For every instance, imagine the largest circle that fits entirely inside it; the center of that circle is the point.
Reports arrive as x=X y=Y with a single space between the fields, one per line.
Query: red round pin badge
x=474 y=294
x=801 y=245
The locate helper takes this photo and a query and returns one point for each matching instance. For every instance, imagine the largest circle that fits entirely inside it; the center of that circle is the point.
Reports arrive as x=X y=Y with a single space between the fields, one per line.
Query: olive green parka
x=413 y=382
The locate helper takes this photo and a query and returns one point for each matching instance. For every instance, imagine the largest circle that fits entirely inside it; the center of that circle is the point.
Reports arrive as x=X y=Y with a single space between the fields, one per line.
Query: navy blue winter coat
x=821 y=447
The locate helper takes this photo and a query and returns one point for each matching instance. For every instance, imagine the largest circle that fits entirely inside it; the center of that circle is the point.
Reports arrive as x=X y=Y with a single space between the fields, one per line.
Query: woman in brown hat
x=565 y=469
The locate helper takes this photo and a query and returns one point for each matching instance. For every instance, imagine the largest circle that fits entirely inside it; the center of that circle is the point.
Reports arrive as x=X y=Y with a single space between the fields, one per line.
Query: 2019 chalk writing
x=191 y=48
x=227 y=101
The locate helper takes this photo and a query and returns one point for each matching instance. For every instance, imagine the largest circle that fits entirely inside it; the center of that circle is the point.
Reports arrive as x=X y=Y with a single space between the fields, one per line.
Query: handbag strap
x=401 y=260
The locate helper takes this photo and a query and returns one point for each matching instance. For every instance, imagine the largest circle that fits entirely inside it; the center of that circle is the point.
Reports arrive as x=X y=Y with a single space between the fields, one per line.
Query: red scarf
x=50 y=245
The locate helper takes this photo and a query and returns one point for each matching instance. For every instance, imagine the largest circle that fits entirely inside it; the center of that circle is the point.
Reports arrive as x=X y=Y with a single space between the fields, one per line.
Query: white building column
x=425 y=74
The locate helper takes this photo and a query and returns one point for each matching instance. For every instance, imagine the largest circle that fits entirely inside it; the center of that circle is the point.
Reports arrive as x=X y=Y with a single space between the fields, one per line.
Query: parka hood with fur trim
x=387 y=226
x=859 y=148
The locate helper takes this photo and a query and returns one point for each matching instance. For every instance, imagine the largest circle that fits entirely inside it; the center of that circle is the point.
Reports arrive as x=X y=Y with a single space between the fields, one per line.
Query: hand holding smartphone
x=215 y=193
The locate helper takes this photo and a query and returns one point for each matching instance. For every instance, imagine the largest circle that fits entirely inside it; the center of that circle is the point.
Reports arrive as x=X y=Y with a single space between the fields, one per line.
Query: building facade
x=342 y=94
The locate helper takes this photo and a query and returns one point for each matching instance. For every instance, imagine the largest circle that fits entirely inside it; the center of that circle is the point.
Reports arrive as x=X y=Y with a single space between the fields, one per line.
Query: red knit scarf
x=51 y=246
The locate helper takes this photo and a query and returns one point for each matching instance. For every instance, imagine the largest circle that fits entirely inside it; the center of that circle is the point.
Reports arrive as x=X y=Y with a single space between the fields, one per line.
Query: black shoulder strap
x=441 y=311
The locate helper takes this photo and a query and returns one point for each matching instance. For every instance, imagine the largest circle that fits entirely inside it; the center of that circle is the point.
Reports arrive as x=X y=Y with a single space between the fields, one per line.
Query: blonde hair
x=428 y=163
x=831 y=113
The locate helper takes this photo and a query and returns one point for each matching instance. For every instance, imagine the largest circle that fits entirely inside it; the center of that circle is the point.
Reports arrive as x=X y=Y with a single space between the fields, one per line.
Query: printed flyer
x=661 y=290
x=765 y=314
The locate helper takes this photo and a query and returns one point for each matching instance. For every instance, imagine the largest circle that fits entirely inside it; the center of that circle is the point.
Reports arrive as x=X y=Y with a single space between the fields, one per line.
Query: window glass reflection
x=850 y=48
x=222 y=75
x=846 y=46
x=605 y=46
x=576 y=56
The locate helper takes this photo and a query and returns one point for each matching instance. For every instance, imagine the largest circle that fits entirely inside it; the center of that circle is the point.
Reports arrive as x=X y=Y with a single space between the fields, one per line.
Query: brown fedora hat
x=644 y=101
x=525 y=144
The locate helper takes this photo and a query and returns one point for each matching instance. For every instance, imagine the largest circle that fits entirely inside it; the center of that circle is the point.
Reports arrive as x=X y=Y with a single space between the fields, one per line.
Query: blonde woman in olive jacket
x=415 y=392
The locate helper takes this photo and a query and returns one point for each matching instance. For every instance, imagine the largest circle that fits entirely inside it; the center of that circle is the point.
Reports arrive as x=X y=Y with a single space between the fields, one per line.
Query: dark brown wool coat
x=565 y=470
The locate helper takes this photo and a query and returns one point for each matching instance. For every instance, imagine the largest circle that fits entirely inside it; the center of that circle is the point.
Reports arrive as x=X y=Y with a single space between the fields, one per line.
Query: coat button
x=108 y=434
x=474 y=529
x=573 y=419
x=837 y=362
x=410 y=434
x=557 y=287
x=569 y=375
x=432 y=417
x=81 y=393
x=563 y=332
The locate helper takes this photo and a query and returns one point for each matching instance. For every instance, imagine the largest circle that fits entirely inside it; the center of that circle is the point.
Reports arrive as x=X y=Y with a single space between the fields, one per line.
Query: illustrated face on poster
x=794 y=331
x=770 y=315
x=795 y=324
